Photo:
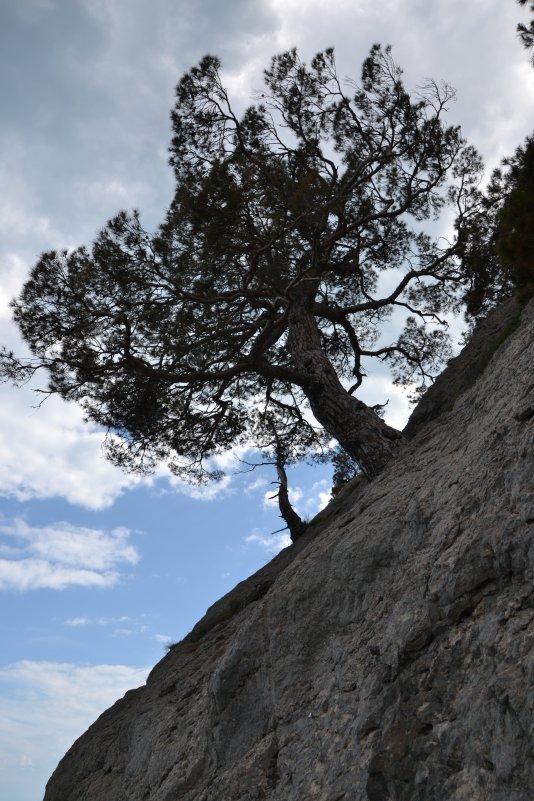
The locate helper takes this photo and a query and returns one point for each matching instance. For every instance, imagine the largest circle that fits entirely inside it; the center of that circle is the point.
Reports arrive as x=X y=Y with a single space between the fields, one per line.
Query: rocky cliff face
x=387 y=655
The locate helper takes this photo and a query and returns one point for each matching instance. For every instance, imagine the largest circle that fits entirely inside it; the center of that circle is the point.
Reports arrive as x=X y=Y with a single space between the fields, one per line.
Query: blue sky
x=98 y=569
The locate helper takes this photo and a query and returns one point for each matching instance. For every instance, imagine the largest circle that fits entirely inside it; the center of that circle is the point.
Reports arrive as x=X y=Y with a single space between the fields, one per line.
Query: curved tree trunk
x=357 y=427
x=292 y=519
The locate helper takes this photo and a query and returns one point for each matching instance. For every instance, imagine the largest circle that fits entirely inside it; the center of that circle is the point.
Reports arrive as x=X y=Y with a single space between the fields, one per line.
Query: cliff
x=387 y=655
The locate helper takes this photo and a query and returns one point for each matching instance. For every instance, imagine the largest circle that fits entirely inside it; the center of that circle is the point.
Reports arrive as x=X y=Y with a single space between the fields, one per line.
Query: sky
x=100 y=570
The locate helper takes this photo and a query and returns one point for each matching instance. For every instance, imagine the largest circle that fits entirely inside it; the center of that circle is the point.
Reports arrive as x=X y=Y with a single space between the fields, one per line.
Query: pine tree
x=295 y=233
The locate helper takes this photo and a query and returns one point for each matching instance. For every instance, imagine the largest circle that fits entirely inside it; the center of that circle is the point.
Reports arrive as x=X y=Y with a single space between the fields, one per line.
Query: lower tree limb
x=293 y=521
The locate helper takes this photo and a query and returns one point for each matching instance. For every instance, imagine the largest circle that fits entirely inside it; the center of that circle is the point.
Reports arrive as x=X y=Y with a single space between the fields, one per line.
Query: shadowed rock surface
x=388 y=654
x=463 y=370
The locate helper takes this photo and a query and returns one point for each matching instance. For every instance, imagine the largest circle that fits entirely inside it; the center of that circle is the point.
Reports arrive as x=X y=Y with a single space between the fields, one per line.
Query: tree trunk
x=357 y=427
x=293 y=521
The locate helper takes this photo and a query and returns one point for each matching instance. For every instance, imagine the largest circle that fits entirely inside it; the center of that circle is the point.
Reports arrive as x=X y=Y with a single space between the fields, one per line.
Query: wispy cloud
x=45 y=706
x=314 y=498
x=50 y=452
x=270 y=499
x=307 y=501
x=62 y=555
x=164 y=638
x=97 y=621
x=272 y=543
x=229 y=463
x=259 y=483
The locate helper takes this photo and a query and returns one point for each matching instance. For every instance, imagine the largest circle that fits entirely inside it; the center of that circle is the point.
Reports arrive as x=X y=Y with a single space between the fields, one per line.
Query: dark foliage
x=294 y=233
x=515 y=224
x=498 y=243
x=526 y=32
x=345 y=469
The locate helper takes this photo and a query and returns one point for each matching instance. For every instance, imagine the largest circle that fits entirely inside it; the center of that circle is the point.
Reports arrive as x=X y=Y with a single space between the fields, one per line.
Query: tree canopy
x=497 y=242
x=526 y=32
x=296 y=231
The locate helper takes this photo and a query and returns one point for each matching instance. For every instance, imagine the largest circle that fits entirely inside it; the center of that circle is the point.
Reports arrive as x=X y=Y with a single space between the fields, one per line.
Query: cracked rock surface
x=389 y=654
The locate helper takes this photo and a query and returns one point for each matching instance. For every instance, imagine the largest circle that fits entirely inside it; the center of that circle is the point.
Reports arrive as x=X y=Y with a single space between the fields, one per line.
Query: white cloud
x=164 y=638
x=78 y=621
x=314 y=498
x=206 y=492
x=378 y=388
x=259 y=483
x=272 y=543
x=270 y=500
x=228 y=462
x=14 y=272
x=34 y=574
x=307 y=501
x=44 y=707
x=97 y=621
x=324 y=497
x=51 y=452
x=123 y=625
x=61 y=555
x=124 y=632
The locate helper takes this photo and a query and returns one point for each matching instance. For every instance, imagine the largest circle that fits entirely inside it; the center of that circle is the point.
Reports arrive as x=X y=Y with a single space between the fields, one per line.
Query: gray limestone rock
x=387 y=655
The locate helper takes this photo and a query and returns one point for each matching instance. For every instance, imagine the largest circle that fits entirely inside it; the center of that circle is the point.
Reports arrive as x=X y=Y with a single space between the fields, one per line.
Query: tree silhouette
x=295 y=232
x=526 y=32
x=498 y=243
